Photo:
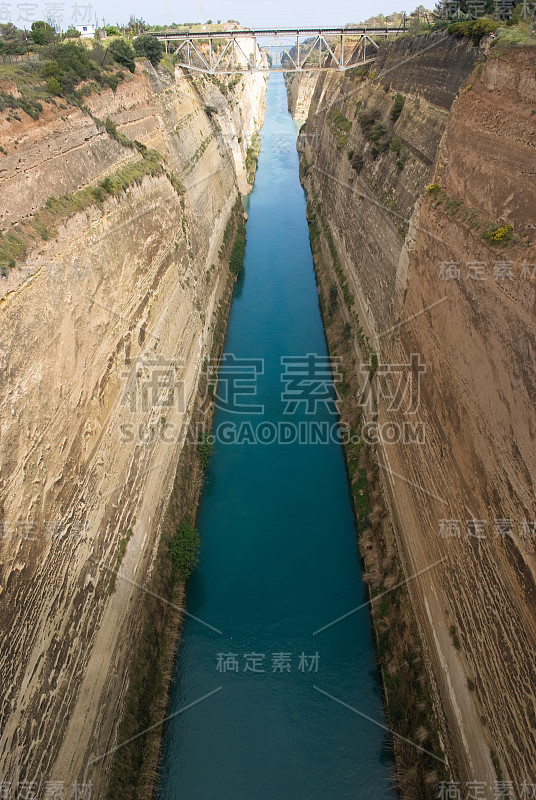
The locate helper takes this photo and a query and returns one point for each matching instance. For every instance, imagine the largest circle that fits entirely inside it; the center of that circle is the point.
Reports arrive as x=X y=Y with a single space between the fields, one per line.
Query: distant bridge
x=237 y=51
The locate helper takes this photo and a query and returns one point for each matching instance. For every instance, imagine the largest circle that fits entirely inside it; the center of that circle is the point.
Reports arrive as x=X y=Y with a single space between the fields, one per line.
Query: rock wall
x=300 y=90
x=428 y=265
x=104 y=329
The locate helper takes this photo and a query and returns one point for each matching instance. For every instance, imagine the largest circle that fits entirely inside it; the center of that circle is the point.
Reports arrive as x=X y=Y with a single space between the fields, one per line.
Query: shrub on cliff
x=68 y=63
x=396 y=108
x=149 y=47
x=499 y=234
x=357 y=161
x=475 y=29
x=30 y=106
x=53 y=85
x=184 y=550
x=381 y=137
x=239 y=249
x=340 y=126
x=366 y=120
x=123 y=53
x=205 y=448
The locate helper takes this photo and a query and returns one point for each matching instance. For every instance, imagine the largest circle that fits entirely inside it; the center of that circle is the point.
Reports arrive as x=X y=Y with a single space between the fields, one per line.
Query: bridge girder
x=201 y=52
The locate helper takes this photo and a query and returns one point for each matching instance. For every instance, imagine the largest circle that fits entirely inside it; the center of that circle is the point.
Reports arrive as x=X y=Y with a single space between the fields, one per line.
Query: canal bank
x=270 y=699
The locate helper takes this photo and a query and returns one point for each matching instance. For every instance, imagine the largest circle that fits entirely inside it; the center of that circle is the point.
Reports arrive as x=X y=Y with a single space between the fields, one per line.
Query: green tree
x=42 y=32
x=72 y=33
x=184 y=550
x=53 y=85
x=148 y=46
x=123 y=53
x=111 y=30
x=12 y=40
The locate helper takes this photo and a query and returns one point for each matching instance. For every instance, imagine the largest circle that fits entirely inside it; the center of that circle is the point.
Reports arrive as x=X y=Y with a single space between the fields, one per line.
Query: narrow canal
x=278 y=556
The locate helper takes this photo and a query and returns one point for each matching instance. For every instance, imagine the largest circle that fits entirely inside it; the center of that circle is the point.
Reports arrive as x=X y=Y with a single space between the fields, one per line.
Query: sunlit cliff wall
x=112 y=303
x=413 y=222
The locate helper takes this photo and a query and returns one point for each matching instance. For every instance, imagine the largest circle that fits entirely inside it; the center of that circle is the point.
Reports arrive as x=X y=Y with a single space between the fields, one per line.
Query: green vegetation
x=42 y=32
x=11 y=248
x=455 y=638
x=184 y=550
x=198 y=153
x=205 y=448
x=333 y=299
x=475 y=29
x=111 y=129
x=499 y=234
x=252 y=156
x=122 y=550
x=224 y=86
x=382 y=136
x=236 y=260
x=113 y=185
x=13 y=41
x=519 y=35
x=340 y=126
x=68 y=64
x=356 y=160
x=122 y=52
x=375 y=132
x=149 y=47
x=31 y=107
x=496 y=764
x=178 y=185
x=396 y=108
x=63 y=67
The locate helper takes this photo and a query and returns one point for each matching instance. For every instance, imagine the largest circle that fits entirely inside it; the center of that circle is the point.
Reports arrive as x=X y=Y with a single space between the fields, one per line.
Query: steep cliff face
x=422 y=172
x=105 y=324
x=300 y=90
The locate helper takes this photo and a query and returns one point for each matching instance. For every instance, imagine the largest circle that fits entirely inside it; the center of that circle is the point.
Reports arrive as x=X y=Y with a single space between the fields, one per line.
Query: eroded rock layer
x=422 y=172
x=105 y=327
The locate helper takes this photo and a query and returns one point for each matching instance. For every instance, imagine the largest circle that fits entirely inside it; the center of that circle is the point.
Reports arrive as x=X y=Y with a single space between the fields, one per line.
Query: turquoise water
x=278 y=556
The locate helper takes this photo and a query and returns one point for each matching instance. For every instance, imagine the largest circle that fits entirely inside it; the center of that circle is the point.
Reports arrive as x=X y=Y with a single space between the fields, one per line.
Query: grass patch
x=31 y=107
x=112 y=186
x=498 y=234
x=474 y=29
x=238 y=251
x=396 y=108
x=184 y=550
x=205 y=448
x=252 y=157
x=123 y=544
x=11 y=248
x=340 y=126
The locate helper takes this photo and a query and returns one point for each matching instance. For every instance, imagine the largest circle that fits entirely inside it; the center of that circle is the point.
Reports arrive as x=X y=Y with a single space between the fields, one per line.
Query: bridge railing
x=238 y=50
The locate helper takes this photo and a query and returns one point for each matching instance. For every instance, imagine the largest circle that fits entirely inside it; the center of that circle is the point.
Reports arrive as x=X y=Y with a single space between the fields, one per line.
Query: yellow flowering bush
x=498 y=234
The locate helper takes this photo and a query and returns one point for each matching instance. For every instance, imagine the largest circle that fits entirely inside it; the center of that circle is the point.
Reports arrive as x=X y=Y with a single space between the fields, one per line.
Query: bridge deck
x=271 y=32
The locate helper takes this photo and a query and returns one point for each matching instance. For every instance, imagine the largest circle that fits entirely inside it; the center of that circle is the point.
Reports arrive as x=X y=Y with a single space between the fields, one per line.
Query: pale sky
x=278 y=13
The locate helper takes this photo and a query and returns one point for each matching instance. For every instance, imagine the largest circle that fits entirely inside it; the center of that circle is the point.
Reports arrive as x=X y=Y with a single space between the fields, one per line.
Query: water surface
x=278 y=557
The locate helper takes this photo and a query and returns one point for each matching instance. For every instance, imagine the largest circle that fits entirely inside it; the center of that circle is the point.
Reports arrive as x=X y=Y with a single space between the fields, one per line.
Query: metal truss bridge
x=274 y=50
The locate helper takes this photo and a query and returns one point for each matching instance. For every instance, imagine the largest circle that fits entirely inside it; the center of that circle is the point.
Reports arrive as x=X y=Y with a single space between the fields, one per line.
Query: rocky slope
x=300 y=90
x=105 y=326
x=421 y=171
